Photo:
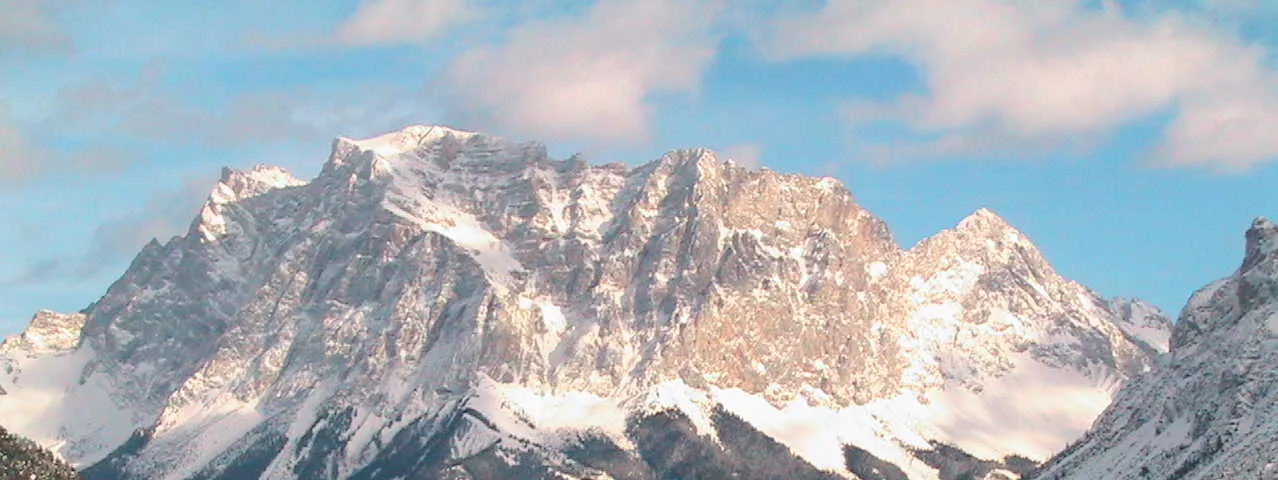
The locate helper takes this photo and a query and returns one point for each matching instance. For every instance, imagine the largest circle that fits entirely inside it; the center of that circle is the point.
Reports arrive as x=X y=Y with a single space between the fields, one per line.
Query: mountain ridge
x=451 y=295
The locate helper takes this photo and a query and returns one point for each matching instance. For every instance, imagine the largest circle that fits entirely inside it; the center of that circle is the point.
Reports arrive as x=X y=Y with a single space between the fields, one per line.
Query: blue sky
x=1133 y=141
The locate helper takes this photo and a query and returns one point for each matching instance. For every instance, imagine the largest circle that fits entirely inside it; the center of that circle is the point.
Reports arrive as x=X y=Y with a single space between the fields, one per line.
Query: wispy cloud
x=31 y=26
x=585 y=77
x=388 y=22
x=38 y=272
x=16 y=162
x=145 y=108
x=377 y=23
x=165 y=214
x=23 y=159
x=107 y=124
x=1041 y=72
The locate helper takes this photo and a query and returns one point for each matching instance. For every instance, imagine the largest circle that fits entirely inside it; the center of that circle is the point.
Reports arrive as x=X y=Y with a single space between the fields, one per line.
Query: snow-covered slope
x=442 y=303
x=1211 y=411
x=1145 y=323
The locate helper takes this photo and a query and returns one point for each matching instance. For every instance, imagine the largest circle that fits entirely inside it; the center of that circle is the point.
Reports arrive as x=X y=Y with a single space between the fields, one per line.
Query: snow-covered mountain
x=448 y=304
x=1211 y=410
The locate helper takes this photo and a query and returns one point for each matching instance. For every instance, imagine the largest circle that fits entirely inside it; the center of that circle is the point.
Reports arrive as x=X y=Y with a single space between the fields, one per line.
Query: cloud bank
x=1048 y=71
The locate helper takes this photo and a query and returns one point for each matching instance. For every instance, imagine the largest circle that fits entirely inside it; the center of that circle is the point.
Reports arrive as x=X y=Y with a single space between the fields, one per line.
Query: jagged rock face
x=1209 y=412
x=454 y=297
x=1146 y=324
x=49 y=332
x=984 y=284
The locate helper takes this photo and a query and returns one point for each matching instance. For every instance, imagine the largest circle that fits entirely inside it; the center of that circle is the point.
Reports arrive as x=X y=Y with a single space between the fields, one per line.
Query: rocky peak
x=1258 y=274
x=701 y=159
x=987 y=224
x=235 y=186
x=49 y=332
x=997 y=289
x=1143 y=322
x=241 y=184
x=1262 y=240
x=423 y=159
x=983 y=238
x=410 y=138
x=1219 y=305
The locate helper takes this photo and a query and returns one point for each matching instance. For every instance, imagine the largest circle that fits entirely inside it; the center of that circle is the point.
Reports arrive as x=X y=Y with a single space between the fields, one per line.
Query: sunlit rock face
x=449 y=304
x=1211 y=411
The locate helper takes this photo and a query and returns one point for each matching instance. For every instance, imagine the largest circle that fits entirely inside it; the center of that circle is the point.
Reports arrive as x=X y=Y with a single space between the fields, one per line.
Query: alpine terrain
x=1209 y=412
x=447 y=304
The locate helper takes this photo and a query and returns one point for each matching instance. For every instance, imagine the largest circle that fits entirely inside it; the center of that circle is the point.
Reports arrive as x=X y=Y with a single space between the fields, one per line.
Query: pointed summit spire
x=1262 y=239
x=238 y=184
x=985 y=222
x=408 y=138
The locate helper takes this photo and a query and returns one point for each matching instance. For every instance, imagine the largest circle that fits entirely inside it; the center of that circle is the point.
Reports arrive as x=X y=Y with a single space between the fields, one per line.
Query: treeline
x=22 y=459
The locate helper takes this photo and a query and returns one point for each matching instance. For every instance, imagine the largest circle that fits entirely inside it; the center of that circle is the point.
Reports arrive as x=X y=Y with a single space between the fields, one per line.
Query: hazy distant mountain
x=446 y=304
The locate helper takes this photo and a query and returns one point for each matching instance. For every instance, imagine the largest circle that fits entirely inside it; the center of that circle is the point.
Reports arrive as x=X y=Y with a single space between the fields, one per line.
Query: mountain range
x=439 y=303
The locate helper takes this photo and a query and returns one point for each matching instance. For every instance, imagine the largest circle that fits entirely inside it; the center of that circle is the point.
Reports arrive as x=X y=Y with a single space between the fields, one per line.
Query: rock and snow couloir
x=1211 y=410
x=450 y=304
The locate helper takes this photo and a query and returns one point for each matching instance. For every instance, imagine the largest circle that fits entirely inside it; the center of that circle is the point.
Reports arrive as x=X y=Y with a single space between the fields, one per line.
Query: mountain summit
x=449 y=304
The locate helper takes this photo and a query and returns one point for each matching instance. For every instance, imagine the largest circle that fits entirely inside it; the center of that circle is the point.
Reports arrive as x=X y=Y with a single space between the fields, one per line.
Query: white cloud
x=747 y=154
x=585 y=77
x=1042 y=72
x=384 y=22
x=1231 y=133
